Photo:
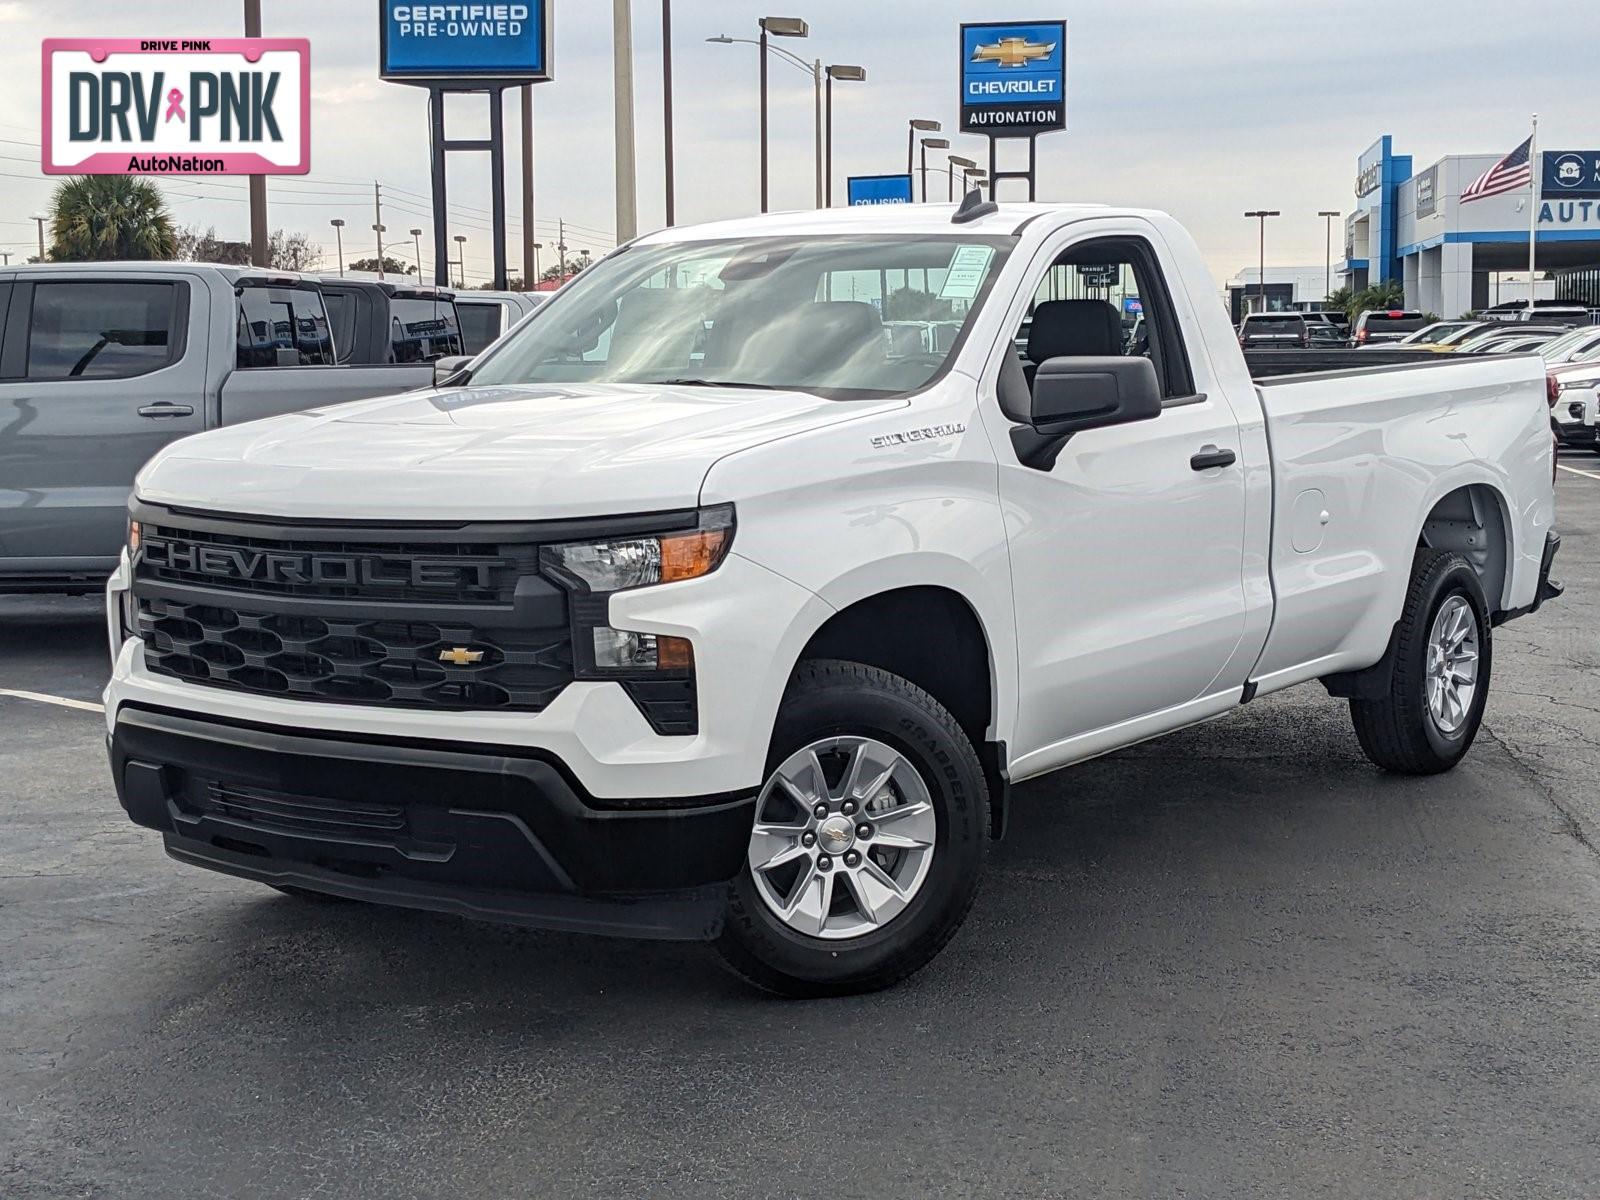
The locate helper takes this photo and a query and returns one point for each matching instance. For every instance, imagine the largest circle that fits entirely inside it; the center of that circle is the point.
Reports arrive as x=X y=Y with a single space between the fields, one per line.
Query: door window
x=422 y=330
x=1106 y=297
x=100 y=329
x=283 y=327
x=480 y=324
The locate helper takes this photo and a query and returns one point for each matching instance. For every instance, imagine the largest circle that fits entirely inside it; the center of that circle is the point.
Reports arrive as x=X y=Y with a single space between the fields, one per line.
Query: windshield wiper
x=717 y=383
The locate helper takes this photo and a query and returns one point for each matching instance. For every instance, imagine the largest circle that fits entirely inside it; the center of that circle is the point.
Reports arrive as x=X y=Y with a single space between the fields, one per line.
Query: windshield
x=841 y=317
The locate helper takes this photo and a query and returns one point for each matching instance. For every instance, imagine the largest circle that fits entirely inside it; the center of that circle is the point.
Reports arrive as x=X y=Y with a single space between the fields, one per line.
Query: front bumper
x=501 y=833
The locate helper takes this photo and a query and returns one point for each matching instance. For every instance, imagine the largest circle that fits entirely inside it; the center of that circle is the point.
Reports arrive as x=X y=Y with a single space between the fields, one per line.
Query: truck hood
x=486 y=453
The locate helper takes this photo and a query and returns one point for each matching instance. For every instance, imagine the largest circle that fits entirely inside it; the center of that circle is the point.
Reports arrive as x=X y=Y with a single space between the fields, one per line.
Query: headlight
x=616 y=566
x=656 y=670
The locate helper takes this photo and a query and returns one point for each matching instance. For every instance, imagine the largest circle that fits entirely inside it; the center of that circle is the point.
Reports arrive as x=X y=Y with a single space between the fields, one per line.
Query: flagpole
x=1535 y=179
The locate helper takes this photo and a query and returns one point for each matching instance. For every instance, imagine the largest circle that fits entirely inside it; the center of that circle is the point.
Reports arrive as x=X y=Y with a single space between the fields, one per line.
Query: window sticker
x=968 y=266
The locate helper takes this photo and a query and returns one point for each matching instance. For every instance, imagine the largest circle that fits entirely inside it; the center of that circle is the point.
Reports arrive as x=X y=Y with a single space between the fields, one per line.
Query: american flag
x=1510 y=174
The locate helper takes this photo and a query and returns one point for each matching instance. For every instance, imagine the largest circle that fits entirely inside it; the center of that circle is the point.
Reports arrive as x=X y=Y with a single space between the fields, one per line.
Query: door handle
x=167 y=409
x=1210 y=456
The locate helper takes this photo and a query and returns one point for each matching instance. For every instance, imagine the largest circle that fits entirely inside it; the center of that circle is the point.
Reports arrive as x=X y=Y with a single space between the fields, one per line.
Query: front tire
x=1439 y=678
x=870 y=837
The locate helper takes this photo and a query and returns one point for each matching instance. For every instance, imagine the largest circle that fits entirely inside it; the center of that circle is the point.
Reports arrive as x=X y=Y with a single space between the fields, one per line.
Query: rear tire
x=1439 y=678
x=875 y=813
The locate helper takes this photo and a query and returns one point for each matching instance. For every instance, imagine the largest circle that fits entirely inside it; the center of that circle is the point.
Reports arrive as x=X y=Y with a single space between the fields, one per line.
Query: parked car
x=103 y=364
x=1577 y=346
x=1545 y=312
x=1499 y=332
x=743 y=633
x=1516 y=343
x=485 y=315
x=1434 y=334
x=1259 y=331
x=1327 y=316
x=1375 y=328
x=1574 y=391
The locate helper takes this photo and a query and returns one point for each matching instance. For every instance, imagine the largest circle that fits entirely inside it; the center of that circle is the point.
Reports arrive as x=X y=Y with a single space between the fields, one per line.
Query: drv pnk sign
x=195 y=106
x=1014 y=78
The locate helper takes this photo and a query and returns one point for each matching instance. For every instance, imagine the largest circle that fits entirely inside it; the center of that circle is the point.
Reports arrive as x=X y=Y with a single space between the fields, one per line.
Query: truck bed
x=1269 y=364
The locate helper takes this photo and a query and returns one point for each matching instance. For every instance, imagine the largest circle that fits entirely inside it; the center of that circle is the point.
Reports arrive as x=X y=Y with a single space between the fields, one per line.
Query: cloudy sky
x=1202 y=107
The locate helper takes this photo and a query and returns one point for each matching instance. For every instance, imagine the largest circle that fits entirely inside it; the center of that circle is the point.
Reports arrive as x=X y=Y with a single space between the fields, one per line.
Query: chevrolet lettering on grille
x=299 y=567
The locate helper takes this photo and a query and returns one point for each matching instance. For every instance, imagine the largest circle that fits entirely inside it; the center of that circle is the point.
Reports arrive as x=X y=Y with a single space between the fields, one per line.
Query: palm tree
x=96 y=218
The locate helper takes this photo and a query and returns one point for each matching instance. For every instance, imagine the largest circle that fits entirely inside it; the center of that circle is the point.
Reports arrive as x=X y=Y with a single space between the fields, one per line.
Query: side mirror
x=450 y=364
x=1074 y=394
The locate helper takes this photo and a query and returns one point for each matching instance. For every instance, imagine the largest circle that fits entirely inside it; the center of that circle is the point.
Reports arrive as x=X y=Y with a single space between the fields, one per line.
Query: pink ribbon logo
x=175 y=105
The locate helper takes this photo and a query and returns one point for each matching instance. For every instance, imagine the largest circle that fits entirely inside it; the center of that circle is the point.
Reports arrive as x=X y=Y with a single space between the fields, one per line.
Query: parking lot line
x=63 y=701
x=1575 y=471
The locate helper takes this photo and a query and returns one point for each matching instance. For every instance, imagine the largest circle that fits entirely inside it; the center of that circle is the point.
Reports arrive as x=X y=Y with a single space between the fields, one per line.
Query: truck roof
x=867 y=219
x=228 y=271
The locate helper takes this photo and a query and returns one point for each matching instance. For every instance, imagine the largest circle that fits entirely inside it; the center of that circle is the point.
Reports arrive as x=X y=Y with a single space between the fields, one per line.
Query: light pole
x=772 y=27
x=380 y=229
x=537 y=246
x=916 y=124
x=461 y=258
x=338 y=238
x=416 y=240
x=930 y=144
x=666 y=106
x=966 y=164
x=1327 y=268
x=848 y=75
x=41 y=220
x=627 y=180
x=1261 y=214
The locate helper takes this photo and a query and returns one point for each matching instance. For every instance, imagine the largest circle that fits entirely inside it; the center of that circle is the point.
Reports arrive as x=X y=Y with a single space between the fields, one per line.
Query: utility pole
x=377 y=222
x=1327 y=252
x=1262 y=215
x=530 y=252
x=622 y=65
x=40 y=221
x=258 y=183
x=666 y=107
x=561 y=249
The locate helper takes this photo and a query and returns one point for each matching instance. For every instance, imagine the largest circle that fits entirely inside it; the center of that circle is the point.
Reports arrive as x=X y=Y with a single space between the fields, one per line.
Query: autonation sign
x=1014 y=78
x=430 y=43
x=194 y=106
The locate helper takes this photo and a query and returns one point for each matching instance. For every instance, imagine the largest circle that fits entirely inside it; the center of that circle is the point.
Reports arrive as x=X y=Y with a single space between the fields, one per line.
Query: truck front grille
x=416 y=664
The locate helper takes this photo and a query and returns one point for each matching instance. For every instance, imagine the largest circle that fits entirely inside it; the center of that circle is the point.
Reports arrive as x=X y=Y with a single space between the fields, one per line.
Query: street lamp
x=966 y=164
x=338 y=237
x=930 y=144
x=416 y=238
x=772 y=27
x=1327 y=267
x=537 y=246
x=916 y=124
x=977 y=175
x=1261 y=214
x=461 y=257
x=847 y=75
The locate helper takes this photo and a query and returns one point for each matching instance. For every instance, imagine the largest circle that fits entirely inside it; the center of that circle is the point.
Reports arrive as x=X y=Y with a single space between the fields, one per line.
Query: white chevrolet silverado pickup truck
x=703 y=607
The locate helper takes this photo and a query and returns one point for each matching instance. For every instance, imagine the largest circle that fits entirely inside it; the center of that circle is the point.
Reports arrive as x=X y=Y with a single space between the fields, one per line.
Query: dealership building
x=1411 y=226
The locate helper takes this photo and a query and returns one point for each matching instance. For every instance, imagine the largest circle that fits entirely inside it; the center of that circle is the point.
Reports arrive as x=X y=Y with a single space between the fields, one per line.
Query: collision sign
x=1014 y=78
x=195 y=106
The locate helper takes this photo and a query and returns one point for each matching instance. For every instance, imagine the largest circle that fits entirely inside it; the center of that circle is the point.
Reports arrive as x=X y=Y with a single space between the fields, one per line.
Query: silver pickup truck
x=103 y=364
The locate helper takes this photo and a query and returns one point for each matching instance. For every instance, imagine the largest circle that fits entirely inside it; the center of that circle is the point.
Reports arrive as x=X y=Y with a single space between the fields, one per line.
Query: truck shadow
x=54 y=644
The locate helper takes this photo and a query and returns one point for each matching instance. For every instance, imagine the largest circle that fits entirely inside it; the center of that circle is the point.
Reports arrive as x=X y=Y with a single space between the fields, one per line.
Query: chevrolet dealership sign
x=1014 y=78
x=197 y=106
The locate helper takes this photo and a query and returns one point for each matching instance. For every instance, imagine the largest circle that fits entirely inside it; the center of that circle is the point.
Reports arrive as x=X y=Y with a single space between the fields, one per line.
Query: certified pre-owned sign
x=206 y=106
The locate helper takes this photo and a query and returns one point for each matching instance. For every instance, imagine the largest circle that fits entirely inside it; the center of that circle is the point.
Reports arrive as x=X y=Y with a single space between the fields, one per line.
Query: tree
x=391 y=266
x=1340 y=300
x=197 y=245
x=1391 y=293
x=98 y=218
x=297 y=252
x=914 y=304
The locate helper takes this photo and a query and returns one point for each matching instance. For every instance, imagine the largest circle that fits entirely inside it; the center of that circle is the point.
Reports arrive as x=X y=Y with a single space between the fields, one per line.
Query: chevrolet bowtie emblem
x=460 y=656
x=1013 y=52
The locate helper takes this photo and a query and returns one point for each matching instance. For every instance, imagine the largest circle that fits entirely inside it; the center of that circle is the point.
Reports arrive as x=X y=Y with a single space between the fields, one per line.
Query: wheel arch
x=1474 y=521
x=933 y=636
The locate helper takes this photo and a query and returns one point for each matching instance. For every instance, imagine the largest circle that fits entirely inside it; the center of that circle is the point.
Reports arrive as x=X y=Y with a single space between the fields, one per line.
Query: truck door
x=97 y=373
x=1126 y=554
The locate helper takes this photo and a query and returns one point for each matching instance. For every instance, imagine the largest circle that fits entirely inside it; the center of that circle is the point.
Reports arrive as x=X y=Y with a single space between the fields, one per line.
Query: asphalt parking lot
x=1236 y=962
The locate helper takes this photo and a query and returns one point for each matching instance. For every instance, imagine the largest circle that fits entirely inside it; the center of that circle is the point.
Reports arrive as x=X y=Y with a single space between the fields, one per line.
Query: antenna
x=974 y=206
